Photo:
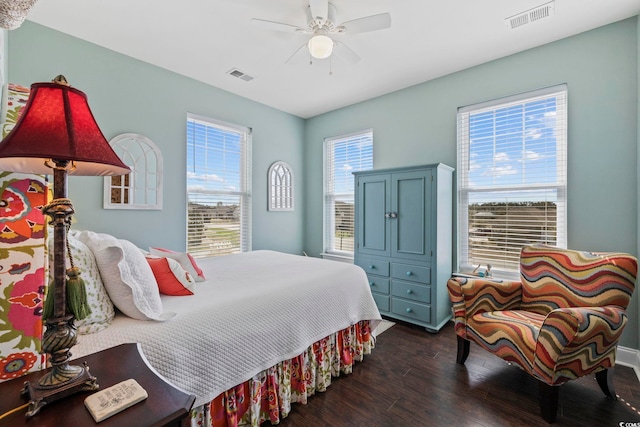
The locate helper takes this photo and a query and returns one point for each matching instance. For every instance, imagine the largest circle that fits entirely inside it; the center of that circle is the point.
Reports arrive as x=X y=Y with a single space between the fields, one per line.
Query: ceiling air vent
x=239 y=74
x=532 y=15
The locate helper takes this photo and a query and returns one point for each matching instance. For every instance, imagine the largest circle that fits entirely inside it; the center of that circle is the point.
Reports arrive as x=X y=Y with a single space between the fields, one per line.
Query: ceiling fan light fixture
x=320 y=46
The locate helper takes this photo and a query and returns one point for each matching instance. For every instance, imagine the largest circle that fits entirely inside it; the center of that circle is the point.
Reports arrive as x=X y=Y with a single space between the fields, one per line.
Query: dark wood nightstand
x=165 y=406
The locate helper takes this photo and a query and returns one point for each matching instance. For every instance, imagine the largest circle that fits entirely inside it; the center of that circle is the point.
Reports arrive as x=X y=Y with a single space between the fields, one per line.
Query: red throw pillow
x=185 y=259
x=172 y=279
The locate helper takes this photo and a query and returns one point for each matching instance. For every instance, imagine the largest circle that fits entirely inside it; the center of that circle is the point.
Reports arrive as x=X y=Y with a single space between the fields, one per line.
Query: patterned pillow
x=102 y=311
x=126 y=276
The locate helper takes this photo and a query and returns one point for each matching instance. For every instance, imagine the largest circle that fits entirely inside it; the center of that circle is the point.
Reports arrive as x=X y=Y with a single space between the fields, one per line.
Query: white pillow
x=126 y=276
x=102 y=311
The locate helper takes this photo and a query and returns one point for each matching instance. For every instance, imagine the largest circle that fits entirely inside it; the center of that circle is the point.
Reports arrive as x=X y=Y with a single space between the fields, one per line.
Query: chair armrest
x=470 y=296
x=574 y=342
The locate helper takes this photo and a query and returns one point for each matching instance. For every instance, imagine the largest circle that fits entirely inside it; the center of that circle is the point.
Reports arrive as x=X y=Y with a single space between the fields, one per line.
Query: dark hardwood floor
x=412 y=379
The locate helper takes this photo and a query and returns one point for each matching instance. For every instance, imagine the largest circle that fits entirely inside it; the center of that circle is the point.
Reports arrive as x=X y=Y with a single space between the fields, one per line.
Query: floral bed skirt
x=269 y=394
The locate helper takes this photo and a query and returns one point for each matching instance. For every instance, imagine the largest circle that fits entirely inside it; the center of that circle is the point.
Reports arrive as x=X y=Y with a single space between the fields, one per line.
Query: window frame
x=464 y=166
x=244 y=192
x=330 y=196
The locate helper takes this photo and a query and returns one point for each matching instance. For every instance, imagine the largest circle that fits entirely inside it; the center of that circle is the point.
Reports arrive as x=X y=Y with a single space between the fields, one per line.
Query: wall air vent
x=532 y=15
x=239 y=74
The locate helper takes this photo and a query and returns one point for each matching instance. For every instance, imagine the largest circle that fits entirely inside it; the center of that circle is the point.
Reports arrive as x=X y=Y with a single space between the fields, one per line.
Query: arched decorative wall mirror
x=142 y=188
x=280 y=178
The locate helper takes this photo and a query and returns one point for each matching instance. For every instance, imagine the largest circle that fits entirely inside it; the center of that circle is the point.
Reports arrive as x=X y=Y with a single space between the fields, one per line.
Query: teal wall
x=412 y=126
x=417 y=125
x=127 y=95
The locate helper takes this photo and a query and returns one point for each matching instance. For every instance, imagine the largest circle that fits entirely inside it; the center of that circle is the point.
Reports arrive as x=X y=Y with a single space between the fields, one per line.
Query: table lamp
x=57 y=134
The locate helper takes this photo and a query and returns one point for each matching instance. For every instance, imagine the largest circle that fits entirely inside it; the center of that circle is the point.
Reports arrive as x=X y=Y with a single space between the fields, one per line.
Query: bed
x=260 y=331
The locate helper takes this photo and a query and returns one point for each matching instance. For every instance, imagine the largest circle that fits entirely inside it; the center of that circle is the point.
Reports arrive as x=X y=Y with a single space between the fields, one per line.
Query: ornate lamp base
x=63 y=379
x=60 y=335
x=53 y=386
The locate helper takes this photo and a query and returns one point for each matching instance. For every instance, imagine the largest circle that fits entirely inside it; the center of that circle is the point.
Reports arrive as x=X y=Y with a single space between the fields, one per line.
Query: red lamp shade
x=57 y=124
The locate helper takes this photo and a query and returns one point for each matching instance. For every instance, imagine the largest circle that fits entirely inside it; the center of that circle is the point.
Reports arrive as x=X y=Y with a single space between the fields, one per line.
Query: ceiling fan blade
x=368 y=23
x=343 y=51
x=277 y=26
x=295 y=53
x=319 y=9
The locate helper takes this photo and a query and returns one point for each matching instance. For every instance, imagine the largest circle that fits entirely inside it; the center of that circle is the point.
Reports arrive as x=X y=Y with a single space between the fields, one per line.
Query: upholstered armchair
x=561 y=321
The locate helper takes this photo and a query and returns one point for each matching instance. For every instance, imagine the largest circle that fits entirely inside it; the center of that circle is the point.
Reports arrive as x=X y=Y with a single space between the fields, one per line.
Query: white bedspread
x=255 y=310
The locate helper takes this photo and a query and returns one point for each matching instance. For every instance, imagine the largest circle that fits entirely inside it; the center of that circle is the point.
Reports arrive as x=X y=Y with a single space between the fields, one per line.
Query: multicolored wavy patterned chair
x=560 y=322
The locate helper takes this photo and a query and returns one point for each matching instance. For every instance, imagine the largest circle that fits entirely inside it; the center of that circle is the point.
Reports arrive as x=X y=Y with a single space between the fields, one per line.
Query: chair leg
x=605 y=381
x=463 y=350
x=548 y=397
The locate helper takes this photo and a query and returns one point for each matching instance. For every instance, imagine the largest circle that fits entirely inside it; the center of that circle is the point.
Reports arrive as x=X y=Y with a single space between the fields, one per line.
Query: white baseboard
x=630 y=358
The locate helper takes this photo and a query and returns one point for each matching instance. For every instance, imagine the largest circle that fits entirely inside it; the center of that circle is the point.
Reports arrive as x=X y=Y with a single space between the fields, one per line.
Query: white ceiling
x=204 y=39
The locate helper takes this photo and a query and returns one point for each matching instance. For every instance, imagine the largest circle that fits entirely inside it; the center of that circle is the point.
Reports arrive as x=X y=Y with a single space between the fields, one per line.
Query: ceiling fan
x=322 y=24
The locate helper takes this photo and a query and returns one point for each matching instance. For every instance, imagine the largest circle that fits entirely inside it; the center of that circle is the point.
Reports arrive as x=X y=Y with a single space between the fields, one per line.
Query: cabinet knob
x=371 y=267
x=371 y=284
x=408 y=310
x=409 y=273
x=409 y=291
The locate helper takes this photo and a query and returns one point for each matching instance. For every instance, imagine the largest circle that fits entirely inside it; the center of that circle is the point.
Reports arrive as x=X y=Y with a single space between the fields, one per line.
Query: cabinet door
x=372 y=204
x=411 y=202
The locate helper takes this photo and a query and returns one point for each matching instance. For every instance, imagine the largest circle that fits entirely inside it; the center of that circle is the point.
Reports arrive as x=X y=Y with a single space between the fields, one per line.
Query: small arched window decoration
x=142 y=187
x=280 y=187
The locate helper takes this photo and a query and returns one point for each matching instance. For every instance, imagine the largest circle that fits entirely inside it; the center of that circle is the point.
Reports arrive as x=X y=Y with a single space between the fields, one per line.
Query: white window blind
x=218 y=187
x=343 y=155
x=512 y=178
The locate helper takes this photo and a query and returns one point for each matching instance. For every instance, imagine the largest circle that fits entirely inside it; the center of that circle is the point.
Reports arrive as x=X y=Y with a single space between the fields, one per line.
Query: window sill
x=495 y=278
x=337 y=257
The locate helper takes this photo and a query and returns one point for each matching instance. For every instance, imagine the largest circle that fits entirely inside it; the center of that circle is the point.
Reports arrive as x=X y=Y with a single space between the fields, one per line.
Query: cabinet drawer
x=411 y=272
x=382 y=301
x=378 y=284
x=374 y=266
x=412 y=310
x=413 y=291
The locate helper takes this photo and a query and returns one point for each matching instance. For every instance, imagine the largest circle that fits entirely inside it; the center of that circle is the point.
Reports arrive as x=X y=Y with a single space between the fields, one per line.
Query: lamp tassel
x=47 y=311
x=76 y=296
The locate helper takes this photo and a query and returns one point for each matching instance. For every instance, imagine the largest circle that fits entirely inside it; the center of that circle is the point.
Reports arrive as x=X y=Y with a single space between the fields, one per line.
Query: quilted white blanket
x=255 y=310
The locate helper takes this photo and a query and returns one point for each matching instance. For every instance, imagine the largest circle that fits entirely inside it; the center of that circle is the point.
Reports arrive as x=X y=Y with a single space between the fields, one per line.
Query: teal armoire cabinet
x=403 y=223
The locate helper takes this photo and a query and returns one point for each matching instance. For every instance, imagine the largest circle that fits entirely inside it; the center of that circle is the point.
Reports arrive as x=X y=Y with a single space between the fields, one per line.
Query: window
x=342 y=156
x=218 y=187
x=512 y=178
x=142 y=187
